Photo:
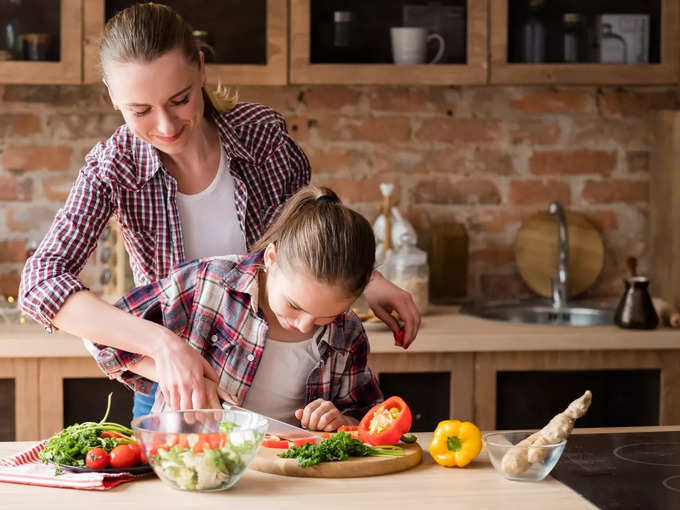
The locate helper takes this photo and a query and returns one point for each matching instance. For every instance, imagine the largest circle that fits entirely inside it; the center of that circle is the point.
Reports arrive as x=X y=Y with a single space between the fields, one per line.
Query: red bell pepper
x=385 y=423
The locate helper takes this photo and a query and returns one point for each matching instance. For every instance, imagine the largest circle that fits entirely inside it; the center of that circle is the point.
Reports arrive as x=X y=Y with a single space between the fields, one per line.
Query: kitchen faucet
x=559 y=282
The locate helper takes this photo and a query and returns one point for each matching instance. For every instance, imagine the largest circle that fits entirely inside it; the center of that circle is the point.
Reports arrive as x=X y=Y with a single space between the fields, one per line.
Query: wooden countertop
x=423 y=487
x=443 y=330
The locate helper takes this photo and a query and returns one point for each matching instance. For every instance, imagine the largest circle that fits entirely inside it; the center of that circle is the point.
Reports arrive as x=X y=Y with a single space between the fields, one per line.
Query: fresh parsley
x=340 y=446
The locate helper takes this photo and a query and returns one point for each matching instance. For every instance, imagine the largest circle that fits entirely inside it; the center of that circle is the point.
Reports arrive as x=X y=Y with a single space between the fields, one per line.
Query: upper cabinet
x=40 y=41
x=576 y=42
x=248 y=39
x=396 y=42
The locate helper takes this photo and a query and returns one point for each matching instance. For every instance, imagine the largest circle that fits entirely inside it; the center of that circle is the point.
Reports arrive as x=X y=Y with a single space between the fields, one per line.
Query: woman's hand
x=322 y=415
x=384 y=297
x=182 y=374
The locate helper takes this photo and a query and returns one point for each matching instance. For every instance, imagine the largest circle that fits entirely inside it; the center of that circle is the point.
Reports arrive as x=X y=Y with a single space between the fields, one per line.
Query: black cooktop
x=623 y=471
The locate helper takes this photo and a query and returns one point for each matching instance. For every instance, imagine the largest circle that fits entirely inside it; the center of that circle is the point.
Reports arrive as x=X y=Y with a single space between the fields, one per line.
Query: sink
x=571 y=314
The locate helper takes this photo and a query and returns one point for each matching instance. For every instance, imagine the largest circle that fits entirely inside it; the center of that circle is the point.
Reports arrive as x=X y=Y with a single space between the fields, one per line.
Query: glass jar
x=407 y=268
x=613 y=48
x=572 y=38
x=533 y=34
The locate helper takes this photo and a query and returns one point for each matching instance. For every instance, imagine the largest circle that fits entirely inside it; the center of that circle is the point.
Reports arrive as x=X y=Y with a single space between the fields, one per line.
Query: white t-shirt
x=209 y=223
x=280 y=382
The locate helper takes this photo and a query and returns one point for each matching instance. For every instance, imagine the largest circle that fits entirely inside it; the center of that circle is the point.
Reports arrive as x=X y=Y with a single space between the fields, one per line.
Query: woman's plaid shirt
x=212 y=303
x=124 y=177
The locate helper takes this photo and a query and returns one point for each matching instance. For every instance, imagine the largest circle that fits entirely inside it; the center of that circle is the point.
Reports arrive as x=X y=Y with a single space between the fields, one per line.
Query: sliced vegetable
x=385 y=423
x=455 y=443
x=275 y=443
x=399 y=337
x=97 y=458
x=300 y=442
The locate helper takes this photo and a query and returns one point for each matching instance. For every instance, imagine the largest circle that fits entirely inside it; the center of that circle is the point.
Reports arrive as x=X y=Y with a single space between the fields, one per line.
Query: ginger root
x=528 y=451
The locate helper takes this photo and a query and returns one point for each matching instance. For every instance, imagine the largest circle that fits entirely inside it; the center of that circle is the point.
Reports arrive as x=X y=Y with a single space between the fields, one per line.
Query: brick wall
x=485 y=156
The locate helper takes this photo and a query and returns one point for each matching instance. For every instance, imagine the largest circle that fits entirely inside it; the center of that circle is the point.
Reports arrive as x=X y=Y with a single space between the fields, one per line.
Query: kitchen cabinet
x=507 y=22
x=20 y=377
x=53 y=31
x=250 y=38
x=371 y=63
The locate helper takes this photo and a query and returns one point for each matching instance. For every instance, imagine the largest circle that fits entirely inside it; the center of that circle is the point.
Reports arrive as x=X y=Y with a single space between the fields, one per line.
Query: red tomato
x=122 y=457
x=110 y=433
x=97 y=458
x=137 y=450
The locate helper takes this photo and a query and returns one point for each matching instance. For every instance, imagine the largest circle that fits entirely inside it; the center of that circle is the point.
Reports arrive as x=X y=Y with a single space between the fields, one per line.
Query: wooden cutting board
x=267 y=461
x=536 y=252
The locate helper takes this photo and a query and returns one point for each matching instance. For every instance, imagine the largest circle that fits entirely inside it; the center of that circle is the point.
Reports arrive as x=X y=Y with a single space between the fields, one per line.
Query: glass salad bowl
x=498 y=444
x=200 y=450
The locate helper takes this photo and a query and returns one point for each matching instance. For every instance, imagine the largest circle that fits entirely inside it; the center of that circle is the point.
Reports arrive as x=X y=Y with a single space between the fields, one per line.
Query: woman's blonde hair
x=147 y=31
x=315 y=233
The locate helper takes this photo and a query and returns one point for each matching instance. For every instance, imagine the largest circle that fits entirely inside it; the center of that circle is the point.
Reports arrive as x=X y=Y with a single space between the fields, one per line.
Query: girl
x=188 y=175
x=274 y=324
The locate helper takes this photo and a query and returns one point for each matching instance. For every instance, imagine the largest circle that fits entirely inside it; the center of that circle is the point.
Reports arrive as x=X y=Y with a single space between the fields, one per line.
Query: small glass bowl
x=499 y=443
x=201 y=450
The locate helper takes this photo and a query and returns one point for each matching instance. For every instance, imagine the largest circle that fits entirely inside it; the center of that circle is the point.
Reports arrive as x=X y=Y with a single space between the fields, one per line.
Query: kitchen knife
x=275 y=427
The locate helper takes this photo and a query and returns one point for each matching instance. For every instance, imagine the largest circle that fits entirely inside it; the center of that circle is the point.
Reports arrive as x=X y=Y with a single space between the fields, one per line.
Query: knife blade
x=275 y=427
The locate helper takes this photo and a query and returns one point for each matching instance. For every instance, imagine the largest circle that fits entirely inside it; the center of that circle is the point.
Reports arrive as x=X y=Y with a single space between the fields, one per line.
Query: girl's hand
x=322 y=415
x=182 y=373
x=383 y=297
x=216 y=395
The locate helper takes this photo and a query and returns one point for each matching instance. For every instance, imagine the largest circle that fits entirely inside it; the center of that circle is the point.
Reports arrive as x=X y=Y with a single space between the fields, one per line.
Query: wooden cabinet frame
x=68 y=69
x=488 y=364
x=273 y=73
x=502 y=72
x=24 y=371
x=474 y=72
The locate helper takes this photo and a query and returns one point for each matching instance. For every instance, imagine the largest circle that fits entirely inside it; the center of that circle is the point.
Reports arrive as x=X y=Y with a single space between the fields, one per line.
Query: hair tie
x=326 y=199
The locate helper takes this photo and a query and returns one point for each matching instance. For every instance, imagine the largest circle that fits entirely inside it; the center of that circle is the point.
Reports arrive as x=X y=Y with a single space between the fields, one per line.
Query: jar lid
x=571 y=17
x=342 y=16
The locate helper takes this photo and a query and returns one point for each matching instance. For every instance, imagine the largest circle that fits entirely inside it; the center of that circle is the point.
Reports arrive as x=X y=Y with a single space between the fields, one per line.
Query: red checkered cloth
x=27 y=468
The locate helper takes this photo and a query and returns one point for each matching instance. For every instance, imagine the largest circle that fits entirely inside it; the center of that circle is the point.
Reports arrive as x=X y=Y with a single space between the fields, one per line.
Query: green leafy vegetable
x=340 y=446
x=70 y=446
x=409 y=438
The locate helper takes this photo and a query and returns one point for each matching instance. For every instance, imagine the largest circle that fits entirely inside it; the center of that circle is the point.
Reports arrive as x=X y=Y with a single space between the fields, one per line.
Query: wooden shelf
x=303 y=71
x=503 y=72
x=68 y=69
x=273 y=73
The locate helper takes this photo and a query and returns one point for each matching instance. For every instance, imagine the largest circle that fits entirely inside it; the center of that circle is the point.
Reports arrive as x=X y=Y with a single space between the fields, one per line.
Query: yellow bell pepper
x=455 y=443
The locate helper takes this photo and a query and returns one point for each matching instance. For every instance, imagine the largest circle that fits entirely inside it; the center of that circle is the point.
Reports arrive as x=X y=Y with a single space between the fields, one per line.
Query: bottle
x=448 y=263
x=407 y=268
x=612 y=46
x=572 y=40
x=533 y=34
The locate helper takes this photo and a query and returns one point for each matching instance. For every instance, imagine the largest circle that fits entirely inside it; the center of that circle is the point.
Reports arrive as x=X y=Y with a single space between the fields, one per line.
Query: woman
x=183 y=168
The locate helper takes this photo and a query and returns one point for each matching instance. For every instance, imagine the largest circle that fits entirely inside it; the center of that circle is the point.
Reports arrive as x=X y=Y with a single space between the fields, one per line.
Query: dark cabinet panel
x=427 y=395
x=85 y=400
x=7 y=418
x=621 y=398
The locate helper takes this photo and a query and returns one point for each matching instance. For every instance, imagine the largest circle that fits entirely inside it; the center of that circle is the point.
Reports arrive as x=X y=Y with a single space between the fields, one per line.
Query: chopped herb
x=340 y=446
x=409 y=438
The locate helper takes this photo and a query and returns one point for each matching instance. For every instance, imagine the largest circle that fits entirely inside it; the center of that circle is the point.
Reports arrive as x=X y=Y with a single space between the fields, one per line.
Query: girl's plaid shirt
x=212 y=303
x=124 y=177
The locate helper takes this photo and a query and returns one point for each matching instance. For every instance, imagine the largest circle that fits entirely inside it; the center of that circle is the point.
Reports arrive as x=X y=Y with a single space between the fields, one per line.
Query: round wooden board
x=267 y=461
x=536 y=252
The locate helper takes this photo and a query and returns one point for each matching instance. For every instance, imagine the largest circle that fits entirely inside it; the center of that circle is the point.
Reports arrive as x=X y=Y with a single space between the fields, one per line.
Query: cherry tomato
x=137 y=450
x=97 y=458
x=122 y=456
x=110 y=433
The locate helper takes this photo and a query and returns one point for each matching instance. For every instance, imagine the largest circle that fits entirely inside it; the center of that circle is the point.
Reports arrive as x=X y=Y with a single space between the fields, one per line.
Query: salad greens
x=190 y=468
x=339 y=446
x=70 y=446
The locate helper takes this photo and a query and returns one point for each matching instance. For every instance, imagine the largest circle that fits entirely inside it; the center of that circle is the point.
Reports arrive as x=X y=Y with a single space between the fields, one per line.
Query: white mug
x=409 y=45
